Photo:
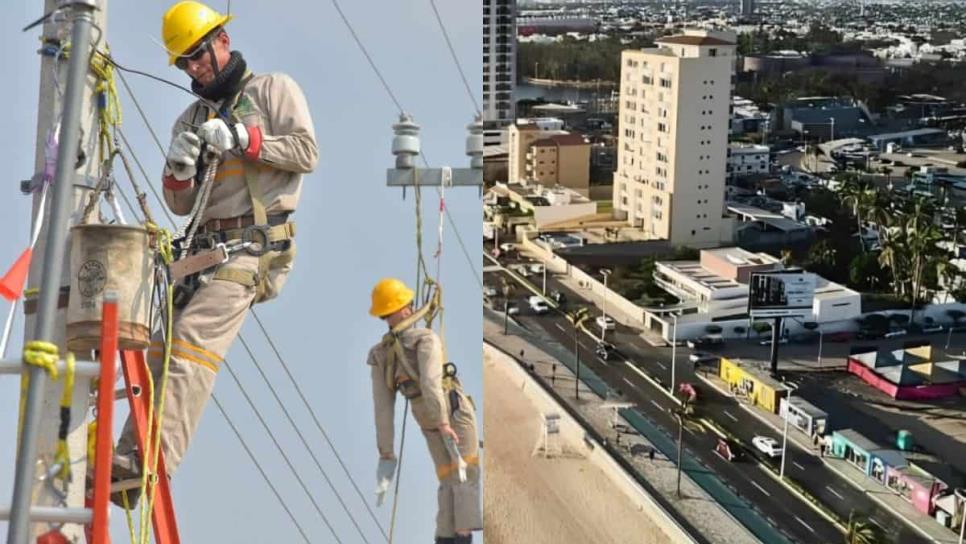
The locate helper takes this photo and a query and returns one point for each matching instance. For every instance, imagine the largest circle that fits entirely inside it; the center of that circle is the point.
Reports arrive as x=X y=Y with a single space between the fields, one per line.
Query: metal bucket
x=114 y=258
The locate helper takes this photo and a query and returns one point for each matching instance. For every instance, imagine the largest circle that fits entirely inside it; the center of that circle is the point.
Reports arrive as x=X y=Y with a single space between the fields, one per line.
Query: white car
x=767 y=445
x=536 y=268
x=606 y=323
x=521 y=269
x=489 y=291
x=507 y=247
x=512 y=309
x=538 y=304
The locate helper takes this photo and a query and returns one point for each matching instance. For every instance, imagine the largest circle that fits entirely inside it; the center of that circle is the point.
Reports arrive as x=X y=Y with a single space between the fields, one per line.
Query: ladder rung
x=84 y=369
x=53 y=514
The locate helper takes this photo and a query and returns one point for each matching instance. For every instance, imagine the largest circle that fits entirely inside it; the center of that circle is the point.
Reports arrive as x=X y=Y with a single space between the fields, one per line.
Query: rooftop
x=858 y=439
x=692 y=40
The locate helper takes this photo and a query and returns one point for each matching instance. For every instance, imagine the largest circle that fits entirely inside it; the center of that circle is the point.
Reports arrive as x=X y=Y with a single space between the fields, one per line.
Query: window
x=712 y=52
x=666 y=83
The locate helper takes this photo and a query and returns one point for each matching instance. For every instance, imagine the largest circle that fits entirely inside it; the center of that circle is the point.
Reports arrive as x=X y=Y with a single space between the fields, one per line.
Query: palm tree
x=862 y=531
x=577 y=317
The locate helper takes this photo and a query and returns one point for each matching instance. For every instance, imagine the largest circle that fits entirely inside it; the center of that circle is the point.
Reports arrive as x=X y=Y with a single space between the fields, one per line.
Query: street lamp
x=603 y=327
x=788 y=408
x=578 y=317
x=674 y=349
x=544 y=279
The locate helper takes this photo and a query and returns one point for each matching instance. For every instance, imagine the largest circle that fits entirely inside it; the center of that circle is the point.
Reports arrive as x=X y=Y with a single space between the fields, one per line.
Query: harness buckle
x=257 y=239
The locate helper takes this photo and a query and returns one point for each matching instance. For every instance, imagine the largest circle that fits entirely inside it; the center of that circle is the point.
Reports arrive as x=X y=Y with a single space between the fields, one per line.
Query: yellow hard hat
x=389 y=296
x=185 y=24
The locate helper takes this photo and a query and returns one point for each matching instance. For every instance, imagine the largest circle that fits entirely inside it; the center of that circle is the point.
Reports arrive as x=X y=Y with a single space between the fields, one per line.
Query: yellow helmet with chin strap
x=185 y=24
x=389 y=296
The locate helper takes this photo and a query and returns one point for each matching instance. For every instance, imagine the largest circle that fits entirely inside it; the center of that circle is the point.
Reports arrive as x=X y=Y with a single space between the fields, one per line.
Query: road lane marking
x=603 y=361
x=727 y=413
x=630 y=383
x=834 y=492
x=877 y=522
x=800 y=467
x=559 y=326
x=762 y=489
x=807 y=526
x=660 y=364
x=659 y=407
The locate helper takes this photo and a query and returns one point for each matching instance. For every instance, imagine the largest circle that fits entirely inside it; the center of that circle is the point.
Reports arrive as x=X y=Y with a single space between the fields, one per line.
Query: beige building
x=520 y=136
x=540 y=151
x=673 y=138
x=561 y=159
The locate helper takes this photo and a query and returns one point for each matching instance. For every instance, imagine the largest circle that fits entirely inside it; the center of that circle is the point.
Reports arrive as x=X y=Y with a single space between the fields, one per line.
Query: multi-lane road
x=636 y=366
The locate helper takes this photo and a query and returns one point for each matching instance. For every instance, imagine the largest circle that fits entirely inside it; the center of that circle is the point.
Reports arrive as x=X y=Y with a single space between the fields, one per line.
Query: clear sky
x=352 y=231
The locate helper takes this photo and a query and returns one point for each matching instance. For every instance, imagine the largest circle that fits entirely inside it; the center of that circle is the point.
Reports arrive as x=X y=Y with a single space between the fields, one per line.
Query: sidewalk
x=886 y=498
x=698 y=508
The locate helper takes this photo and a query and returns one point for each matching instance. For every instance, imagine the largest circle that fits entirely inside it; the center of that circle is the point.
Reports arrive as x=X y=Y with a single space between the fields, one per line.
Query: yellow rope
x=62 y=453
x=108 y=103
x=166 y=251
x=46 y=355
x=41 y=354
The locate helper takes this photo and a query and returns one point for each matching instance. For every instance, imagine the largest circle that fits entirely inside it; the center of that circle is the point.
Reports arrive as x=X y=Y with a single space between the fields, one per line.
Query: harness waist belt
x=242 y=221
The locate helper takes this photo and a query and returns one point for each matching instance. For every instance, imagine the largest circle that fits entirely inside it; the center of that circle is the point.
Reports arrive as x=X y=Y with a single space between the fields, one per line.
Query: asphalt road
x=786 y=510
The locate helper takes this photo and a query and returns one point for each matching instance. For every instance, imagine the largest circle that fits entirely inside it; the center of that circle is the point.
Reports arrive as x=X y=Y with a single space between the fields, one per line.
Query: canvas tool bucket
x=110 y=258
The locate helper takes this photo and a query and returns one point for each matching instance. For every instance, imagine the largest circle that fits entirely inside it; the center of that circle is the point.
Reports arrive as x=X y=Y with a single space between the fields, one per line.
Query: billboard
x=784 y=293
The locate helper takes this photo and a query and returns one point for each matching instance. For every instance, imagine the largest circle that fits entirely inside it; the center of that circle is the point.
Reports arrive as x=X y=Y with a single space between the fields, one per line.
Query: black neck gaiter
x=227 y=81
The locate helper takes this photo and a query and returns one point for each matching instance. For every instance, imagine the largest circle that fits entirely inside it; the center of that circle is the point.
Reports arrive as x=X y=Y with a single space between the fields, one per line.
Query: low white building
x=747 y=159
x=548 y=206
x=714 y=292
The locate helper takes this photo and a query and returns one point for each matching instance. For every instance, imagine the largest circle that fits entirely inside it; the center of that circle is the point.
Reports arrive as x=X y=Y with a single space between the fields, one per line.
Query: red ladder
x=136 y=386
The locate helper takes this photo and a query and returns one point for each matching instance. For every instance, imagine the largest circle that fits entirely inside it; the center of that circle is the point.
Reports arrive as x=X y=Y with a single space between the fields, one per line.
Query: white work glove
x=183 y=154
x=384 y=475
x=218 y=135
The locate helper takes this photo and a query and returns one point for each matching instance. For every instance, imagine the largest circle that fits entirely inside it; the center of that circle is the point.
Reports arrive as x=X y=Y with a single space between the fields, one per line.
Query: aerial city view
x=724 y=281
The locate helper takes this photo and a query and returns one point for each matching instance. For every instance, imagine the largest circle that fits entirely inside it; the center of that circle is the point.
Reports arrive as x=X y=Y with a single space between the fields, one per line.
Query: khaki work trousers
x=203 y=331
x=459 y=503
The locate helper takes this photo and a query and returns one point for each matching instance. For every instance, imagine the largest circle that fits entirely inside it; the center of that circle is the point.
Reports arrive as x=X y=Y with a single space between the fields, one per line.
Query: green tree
x=862 y=531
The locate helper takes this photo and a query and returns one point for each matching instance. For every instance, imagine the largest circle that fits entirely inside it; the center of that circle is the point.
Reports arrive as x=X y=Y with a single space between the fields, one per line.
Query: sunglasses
x=194 y=55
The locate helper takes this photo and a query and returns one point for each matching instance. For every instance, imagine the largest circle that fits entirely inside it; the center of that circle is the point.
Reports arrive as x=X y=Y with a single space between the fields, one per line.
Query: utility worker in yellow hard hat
x=259 y=129
x=410 y=360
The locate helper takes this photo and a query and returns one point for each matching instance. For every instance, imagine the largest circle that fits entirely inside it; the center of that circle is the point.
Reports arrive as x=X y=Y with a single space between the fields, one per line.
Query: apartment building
x=499 y=63
x=673 y=138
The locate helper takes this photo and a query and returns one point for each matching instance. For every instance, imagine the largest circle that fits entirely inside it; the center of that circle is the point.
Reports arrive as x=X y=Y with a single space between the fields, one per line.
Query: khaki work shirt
x=274 y=104
x=424 y=350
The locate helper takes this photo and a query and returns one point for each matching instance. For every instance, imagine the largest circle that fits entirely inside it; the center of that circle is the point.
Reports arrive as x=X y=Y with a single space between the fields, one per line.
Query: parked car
x=728 y=450
x=706 y=341
x=507 y=247
x=490 y=291
x=604 y=350
x=767 y=445
x=842 y=336
x=606 y=323
x=702 y=358
x=512 y=309
x=536 y=268
x=521 y=269
x=558 y=297
x=538 y=304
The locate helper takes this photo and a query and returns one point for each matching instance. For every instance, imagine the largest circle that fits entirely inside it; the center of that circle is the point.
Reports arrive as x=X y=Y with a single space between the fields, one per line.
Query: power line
x=258 y=466
x=315 y=419
x=302 y=438
x=281 y=450
x=365 y=52
x=456 y=59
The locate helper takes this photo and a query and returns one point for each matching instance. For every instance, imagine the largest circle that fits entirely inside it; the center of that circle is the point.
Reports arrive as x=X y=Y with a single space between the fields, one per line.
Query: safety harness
x=267 y=238
x=407 y=382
